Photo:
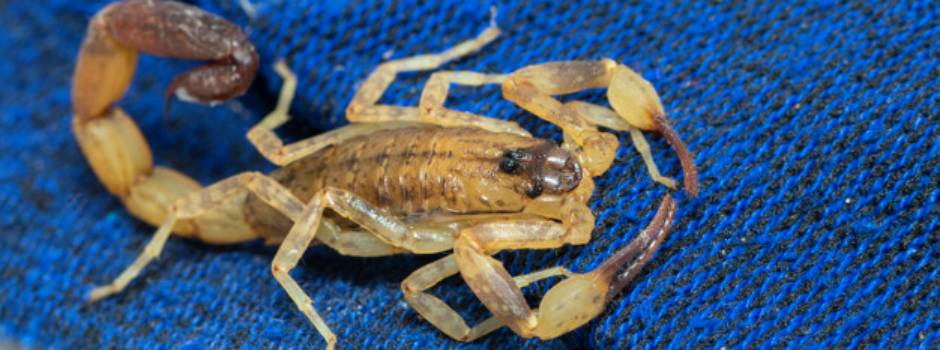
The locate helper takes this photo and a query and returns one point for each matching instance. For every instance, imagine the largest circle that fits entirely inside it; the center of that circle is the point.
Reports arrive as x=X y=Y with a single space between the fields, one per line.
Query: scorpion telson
x=399 y=179
x=171 y=30
x=550 y=169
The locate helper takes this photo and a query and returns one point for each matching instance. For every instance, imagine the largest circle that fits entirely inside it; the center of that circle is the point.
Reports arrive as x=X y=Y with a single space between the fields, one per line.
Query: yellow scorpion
x=397 y=179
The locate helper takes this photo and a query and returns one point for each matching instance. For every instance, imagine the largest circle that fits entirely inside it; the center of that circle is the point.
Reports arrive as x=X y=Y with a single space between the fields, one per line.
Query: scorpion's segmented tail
x=108 y=137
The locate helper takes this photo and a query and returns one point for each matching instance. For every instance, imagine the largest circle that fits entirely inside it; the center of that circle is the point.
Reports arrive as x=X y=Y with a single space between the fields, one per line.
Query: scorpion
x=398 y=179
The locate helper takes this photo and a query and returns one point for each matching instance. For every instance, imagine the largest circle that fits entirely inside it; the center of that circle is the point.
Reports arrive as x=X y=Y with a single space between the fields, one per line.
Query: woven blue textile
x=815 y=127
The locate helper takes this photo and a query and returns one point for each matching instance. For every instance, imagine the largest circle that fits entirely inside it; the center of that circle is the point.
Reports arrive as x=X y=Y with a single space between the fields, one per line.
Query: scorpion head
x=548 y=168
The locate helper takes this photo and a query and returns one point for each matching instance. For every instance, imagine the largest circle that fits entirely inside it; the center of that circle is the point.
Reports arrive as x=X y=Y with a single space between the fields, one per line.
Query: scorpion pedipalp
x=635 y=104
x=636 y=100
x=571 y=303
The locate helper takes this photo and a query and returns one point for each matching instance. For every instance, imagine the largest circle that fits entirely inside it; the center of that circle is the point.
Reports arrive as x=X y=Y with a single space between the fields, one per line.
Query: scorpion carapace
x=399 y=179
x=549 y=169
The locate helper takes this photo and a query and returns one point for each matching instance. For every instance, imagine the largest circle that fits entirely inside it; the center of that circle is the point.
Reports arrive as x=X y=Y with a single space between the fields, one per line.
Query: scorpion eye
x=510 y=161
x=508 y=165
x=535 y=190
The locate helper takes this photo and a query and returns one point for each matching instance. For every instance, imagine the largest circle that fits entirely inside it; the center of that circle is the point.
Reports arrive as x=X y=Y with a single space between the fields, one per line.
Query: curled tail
x=112 y=143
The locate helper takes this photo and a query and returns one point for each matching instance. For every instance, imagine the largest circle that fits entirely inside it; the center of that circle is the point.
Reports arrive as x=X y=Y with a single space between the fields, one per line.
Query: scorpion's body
x=416 y=173
x=398 y=179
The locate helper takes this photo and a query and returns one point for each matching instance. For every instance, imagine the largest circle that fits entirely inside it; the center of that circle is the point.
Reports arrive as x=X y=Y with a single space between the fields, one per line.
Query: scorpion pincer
x=398 y=179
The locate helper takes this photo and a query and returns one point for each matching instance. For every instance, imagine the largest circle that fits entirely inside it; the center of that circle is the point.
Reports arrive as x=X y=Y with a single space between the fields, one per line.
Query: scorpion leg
x=632 y=97
x=363 y=243
x=433 y=309
x=435 y=93
x=266 y=141
x=291 y=250
x=430 y=239
x=364 y=107
x=441 y=315
x=570 y=303
x=418 y=238
x=354 y=242
x=199 y=203
x=603 y=116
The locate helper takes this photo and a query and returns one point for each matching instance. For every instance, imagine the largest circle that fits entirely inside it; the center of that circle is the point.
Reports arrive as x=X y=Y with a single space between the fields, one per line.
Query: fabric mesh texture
x=815 y=127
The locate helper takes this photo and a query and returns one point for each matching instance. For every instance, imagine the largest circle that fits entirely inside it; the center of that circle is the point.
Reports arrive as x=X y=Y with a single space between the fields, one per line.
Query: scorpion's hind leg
x=308 y=223
x=199 y=203
x=364 y=107
x=570 y=303
x=632 y=97
x=266 y=141
x=291 y=250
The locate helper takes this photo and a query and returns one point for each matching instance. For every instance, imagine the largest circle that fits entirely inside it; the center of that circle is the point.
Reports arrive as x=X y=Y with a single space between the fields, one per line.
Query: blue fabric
x=814 y=124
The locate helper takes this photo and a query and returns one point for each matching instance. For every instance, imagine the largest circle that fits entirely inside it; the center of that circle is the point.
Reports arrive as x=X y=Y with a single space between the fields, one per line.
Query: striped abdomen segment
x=411 y=171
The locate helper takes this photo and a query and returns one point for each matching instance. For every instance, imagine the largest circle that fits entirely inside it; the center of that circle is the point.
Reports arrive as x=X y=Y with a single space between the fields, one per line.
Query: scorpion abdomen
x=410 y=171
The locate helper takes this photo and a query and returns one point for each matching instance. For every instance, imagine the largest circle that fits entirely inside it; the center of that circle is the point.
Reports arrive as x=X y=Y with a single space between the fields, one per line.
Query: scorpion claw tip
x=686 y=159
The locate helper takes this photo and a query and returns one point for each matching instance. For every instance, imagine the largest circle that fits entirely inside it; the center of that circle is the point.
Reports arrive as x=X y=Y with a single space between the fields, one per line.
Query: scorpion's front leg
x=632 y=97
x=441 y=315
x=569 y=304
x=603 y=116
